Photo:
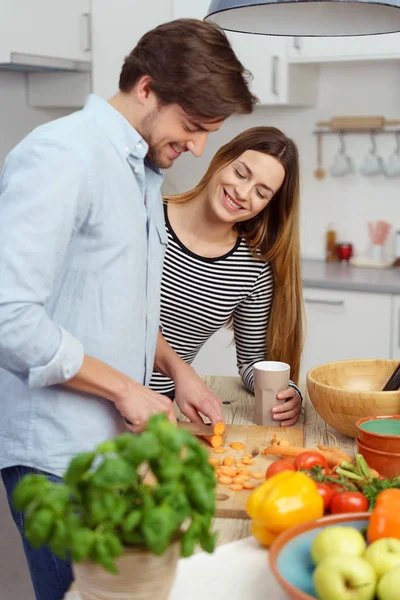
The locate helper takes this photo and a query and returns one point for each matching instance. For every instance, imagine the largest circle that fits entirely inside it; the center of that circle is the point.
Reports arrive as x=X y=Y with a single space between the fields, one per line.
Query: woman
x=233 y=257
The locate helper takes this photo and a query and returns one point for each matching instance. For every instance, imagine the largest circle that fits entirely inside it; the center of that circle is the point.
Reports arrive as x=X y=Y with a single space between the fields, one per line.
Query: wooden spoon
x=319 y=172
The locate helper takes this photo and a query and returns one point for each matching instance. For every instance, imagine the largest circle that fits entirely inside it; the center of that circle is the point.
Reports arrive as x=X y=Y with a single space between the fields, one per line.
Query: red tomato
x=309 y=459
x=348 y=502
x=327 y=471
x=278 y=466
x=326 y=493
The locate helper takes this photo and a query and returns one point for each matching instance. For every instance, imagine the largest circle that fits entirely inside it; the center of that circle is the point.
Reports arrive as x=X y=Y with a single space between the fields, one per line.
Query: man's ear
x=142 y=89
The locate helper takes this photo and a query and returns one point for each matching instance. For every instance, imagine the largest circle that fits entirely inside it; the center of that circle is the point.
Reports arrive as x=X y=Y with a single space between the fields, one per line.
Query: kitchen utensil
x=270 y=378
x=344 y=392
x=355 y=123
x=290 y=554
x=386 y=463
x=393 y=383
x=392 y=166
x=319 y=172
x=380 y=433
x=344 y=251
x=378 y=234
x=195 y=428
x=232 y=504
x=373 y=163
x=342 y=164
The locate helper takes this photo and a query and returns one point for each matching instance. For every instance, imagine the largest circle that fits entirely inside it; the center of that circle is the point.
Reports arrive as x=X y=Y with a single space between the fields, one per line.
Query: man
x=82 y=241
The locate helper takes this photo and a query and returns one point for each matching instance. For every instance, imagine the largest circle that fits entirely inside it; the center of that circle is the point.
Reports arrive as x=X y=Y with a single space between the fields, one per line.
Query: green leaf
x=140 y=448
x=114 y=473
x=108 y=447
x=188 y=544
x=78 y=466
x=208 y=541
x=101 y=555
x=59 y=539
x=131 y=521
x=28 y=489
x=57 y=498
x=81 y=544
x=114 y=545
x=39 y=526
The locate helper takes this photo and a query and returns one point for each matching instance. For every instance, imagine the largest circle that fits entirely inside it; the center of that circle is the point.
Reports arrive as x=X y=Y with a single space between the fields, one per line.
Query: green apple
x=383 y=555
x=389 y=585
x=337 y=540
x=344 y=577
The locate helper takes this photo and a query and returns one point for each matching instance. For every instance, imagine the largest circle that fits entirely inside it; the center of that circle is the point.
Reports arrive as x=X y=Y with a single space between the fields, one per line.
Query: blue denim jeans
x=51 y=576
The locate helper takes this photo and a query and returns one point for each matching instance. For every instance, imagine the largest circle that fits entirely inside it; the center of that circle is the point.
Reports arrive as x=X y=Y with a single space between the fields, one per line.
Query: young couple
x=82 y=244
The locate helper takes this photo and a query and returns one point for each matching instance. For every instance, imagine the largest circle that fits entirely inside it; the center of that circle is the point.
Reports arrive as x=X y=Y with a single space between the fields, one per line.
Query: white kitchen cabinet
x=345 y=325
x=35 y=30
x=395 y=330
x=116 y=29
x=274 y=81
x=338 y=49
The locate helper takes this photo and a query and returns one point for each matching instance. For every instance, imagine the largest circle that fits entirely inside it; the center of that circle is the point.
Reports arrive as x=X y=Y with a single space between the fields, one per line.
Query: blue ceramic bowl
x=290 y=554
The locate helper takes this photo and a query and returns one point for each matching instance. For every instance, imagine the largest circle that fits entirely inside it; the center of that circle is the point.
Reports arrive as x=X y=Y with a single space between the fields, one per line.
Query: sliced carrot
x=236 y=487
x=219 y=428
x=225 y=480
x=237 y=446
x=259 y=475
x=214 y=440
x=229 y=471
x=228 y=461
x=215 y=462
x=239 y=479
x=247 y=485
x=220 y=450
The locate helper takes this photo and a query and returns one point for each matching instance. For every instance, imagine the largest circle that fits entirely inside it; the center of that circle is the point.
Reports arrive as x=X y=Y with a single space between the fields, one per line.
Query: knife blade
x=196 y=428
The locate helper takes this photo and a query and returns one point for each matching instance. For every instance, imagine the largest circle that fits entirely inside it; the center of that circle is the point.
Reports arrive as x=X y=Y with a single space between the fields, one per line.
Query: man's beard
x=155 y=153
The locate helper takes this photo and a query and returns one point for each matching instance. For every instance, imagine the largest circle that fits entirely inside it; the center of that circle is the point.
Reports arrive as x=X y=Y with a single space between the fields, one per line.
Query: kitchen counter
x=341 y=276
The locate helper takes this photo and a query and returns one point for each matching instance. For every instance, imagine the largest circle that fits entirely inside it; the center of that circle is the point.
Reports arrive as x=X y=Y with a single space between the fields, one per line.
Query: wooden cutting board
x=232 y=504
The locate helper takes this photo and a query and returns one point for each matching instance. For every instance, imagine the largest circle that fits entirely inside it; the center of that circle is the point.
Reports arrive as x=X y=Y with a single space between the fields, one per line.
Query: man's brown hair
x=191 y=63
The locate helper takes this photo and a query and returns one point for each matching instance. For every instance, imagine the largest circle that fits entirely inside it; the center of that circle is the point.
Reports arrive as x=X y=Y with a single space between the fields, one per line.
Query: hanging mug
x=342 y=164
x=392 y=166
x=373 y=163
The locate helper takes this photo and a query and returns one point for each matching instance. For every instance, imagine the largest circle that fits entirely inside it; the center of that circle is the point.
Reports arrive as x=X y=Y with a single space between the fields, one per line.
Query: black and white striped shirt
x=199 y=295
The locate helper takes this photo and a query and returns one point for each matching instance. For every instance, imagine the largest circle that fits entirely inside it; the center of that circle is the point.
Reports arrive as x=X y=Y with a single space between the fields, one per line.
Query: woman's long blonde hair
x=272 y=235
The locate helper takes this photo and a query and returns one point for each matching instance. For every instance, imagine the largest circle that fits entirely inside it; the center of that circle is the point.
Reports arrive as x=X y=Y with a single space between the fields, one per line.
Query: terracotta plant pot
x=141 y=576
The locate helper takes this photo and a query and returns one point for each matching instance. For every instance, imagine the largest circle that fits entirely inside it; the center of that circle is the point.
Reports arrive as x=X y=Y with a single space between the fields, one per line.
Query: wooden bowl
x=290 y=554
x=380 y=433
x=386 y=463
x=344 y=392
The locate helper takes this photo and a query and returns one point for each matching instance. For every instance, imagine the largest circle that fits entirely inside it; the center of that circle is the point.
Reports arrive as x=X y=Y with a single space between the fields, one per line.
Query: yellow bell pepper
x=283 y=501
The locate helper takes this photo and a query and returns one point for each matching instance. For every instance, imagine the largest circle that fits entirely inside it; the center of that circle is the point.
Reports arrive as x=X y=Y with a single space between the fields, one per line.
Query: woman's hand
x=194 y=397
x=287 y=413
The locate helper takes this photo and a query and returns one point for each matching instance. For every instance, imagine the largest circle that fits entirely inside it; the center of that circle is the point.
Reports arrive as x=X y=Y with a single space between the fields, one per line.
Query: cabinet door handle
x=321 y=301
x=296 y=43
x=399 y=329
x=87 y=32
x=274 y=81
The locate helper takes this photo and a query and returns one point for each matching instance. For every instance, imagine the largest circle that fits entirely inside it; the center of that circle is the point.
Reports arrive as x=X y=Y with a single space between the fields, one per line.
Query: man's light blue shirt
x=82 y=241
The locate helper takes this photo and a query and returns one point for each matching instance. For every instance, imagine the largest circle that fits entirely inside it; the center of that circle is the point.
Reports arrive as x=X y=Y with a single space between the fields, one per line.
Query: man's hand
x=134 y=401
x=287 y=412
x=194 y=397
x=138 y=403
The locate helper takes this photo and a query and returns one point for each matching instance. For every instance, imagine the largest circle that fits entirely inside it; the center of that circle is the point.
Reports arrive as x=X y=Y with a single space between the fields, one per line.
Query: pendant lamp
x=307 y=17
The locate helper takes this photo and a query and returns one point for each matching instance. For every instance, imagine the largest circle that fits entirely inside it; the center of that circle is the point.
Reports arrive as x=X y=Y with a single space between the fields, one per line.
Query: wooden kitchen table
x=239 y=410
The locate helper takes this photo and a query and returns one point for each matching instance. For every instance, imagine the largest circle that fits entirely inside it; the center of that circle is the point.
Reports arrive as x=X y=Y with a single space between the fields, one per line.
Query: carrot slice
x=219 y=428
x=220 y=450
x=214 y=440
x=237 y=446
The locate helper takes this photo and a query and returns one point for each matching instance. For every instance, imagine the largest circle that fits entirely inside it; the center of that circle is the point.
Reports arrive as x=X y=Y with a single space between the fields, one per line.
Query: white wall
x=345 y=89
x=16 y=118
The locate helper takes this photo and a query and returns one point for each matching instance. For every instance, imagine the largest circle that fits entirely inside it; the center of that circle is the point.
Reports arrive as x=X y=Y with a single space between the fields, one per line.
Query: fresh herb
x=317 y=474
x=103 y=506
x=371 y=489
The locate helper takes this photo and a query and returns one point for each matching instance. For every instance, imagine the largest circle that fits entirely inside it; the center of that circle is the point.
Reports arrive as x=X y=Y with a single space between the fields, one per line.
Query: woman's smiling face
x=243 y=188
